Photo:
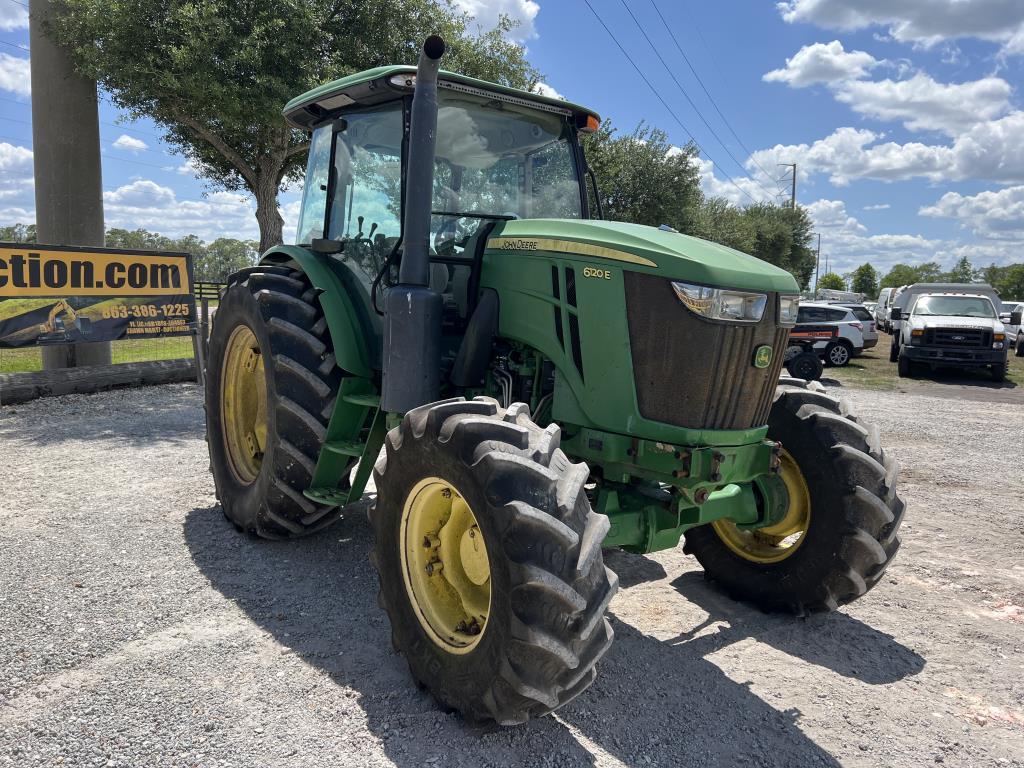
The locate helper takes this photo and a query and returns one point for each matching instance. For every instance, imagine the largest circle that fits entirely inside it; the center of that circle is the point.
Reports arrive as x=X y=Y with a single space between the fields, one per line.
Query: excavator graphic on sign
x=64 y=325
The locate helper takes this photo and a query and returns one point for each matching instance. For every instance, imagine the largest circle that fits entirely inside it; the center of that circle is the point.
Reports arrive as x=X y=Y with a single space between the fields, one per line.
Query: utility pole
x=66 y=158
x=792 y=198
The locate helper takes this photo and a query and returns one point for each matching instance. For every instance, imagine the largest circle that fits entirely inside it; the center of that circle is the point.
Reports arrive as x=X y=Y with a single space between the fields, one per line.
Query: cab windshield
x=954 y=306
x=494 y=161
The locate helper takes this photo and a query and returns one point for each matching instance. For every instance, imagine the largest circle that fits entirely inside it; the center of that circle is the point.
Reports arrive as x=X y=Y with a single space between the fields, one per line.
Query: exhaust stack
x=412 y=311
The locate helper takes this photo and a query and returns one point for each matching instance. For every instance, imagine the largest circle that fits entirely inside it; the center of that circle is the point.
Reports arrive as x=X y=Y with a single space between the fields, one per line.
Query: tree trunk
x=267 y=213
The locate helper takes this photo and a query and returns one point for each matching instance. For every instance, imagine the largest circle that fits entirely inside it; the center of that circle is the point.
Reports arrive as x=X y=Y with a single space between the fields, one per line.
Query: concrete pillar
x=66 y=153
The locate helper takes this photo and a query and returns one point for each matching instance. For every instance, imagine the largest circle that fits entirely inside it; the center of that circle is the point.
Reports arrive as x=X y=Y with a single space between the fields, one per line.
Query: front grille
x=957 y=337
x=698 y=373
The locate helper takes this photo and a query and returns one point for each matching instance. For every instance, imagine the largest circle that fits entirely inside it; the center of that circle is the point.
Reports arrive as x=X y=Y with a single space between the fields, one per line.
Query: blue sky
x=904 y=116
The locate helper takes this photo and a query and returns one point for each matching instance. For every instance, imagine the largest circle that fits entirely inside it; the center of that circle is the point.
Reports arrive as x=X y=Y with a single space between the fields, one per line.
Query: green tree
x=962 y=272
x=1008 y=280
x=929 y=272
x=722 y=222
x=643 y=179
x=865 y=280
x=214 y=74
x=831 y=281
x=224 y=256
x=18 y=233
x=782 y=236
x=900 y=274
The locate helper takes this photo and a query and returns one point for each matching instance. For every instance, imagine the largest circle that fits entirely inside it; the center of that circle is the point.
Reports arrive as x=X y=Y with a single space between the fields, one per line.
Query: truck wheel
x=489 y=559
x=270 y=379
x=838 y=354
x=998 y=372
x=1020 y=344
x=894 y=352
x=840 y=531
x=905 y=367
x=806 y=366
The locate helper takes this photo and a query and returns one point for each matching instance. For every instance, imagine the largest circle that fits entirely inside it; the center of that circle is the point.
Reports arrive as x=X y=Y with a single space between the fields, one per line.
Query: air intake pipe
x=412 y=311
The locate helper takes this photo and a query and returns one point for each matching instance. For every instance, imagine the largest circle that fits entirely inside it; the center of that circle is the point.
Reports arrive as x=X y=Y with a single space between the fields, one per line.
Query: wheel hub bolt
x=446 y=493
x=435 y=566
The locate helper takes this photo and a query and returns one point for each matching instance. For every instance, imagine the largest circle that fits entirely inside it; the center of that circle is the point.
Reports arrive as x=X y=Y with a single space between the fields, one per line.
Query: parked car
x=864 y=315
x=1014 y=333
x=850 y=330
x=957 y=330
x=882 y=308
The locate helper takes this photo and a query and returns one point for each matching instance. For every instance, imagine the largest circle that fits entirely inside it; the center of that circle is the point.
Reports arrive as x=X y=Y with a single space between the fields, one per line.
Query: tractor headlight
x=721 y=304
x=789 y=306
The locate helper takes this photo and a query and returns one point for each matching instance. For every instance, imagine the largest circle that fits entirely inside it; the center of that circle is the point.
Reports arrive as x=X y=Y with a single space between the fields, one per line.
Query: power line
x=687 y=96
x=18 y=2
x=686 y=58
x=15 y=45
x=659 y=97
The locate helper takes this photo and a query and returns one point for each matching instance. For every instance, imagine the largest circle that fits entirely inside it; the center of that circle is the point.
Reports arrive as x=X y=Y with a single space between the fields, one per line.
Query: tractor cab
x=500 y=154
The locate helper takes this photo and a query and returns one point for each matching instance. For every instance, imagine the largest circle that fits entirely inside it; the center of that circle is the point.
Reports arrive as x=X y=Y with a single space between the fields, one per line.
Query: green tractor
x=528 y=385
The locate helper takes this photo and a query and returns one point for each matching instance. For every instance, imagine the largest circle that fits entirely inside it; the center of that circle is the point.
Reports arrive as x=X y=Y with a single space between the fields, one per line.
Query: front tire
x=894 y=352
x=850 y=524
x=270 y=379
x=1020 y=344
x=905 y=367
x=536 y=644
x=999 y=372
x=807 y=366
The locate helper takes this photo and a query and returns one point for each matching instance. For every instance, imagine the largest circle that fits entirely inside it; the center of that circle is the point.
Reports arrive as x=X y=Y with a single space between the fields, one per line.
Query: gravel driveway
x=137 y=628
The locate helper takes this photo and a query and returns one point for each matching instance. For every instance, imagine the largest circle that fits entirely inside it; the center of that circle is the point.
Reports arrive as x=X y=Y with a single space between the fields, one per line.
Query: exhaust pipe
x=412 y=311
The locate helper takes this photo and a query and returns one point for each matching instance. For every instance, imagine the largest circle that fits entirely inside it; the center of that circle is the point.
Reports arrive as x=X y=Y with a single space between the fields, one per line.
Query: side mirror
x=895 y=314
x=1016 y=317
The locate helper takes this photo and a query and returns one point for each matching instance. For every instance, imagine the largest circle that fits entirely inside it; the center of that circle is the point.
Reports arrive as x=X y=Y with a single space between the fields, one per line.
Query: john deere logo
x=762 y=356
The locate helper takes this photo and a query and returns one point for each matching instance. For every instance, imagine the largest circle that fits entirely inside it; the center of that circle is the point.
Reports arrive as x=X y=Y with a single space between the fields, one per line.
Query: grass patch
x=129 y=351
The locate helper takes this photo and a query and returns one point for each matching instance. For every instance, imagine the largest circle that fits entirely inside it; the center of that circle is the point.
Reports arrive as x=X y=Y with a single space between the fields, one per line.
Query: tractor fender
x=351 y=348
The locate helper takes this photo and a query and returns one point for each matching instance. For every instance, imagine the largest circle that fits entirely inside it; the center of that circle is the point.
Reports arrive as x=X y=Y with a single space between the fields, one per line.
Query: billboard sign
x=53 y=294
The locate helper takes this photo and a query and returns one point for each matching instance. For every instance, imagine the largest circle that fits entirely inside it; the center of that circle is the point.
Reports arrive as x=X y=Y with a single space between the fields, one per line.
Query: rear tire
x=1020 y=344
x=545 y=627
x=278 y=305
x=894 y=352
x=838 y=354
x=855 y=513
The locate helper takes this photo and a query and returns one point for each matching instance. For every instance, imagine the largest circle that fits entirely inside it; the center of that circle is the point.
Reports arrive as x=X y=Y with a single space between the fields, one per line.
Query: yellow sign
x=33 y=270
x=571 y=247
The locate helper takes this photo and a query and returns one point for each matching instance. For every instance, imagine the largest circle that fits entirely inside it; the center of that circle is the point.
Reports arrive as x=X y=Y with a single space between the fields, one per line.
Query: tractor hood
x=644 y=249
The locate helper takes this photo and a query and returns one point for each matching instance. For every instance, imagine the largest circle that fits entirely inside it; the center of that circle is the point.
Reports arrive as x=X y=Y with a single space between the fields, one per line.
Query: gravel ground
x=137 y=628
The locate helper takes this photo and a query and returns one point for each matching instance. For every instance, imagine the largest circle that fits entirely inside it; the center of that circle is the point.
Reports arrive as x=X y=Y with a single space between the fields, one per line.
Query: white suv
x=1014 y=333
x=850 y=338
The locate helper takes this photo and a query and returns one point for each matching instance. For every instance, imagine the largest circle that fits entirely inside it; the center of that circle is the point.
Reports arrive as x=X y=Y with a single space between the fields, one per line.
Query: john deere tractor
x=528 y=385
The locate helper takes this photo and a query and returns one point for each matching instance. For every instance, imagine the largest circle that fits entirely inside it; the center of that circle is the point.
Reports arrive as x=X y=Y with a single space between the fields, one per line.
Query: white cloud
x=487 y=12
x=144 y=203
x=990 y=151
x=832 y=215
x=13 y=16
x=822 y=63
x=743 y=192
x=916 y=21
x=130 y=143
x=877 y=207
x=14 y=75
x=922 y=104
x=993 y=214
x=546 y=90
x=17 y=196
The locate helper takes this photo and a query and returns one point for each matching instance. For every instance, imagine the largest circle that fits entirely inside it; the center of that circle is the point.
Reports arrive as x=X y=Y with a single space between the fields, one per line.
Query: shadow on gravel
x=170 y=413
x=654 y=702
x=837 y=641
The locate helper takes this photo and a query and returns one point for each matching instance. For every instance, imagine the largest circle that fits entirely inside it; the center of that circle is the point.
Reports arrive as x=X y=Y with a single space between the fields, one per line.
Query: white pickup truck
x=959 y=330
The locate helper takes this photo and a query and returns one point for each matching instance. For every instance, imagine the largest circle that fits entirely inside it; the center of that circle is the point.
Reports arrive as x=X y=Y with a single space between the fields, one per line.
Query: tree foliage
x=215 y=74
x=865 y=281
x=642 y=178
x=18 y=233
x=831 y=281
x=1008 y=280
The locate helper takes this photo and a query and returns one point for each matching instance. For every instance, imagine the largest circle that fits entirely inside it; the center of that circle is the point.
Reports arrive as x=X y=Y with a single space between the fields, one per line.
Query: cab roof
x=374 y=86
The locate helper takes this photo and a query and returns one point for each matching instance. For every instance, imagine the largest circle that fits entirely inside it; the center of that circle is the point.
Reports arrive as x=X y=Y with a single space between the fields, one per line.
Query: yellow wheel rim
x=243 y=404
x=776 y=542
x=445 y=565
